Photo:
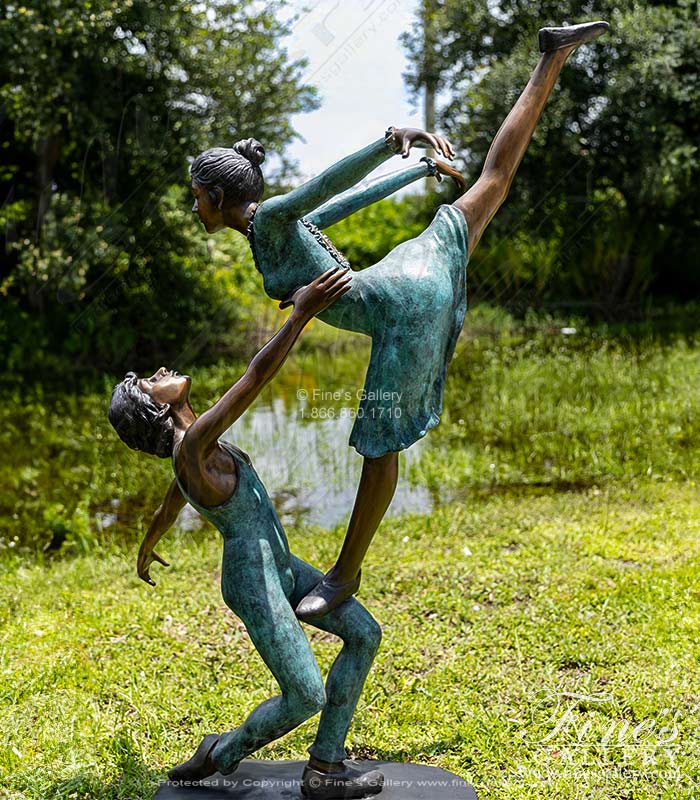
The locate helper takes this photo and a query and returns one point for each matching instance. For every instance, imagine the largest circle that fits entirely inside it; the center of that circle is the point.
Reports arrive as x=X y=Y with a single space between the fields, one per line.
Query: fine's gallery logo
x=582 y=720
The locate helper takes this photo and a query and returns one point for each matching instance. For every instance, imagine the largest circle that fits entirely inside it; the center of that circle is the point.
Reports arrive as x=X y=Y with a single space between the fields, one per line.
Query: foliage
x=603 y=207
x=367 y=236
x=102 y=102
x=526 y=405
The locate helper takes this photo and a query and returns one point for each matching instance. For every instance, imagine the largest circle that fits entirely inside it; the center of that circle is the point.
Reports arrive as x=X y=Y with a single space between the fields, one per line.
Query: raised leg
x=485 y=197
x=375 y=492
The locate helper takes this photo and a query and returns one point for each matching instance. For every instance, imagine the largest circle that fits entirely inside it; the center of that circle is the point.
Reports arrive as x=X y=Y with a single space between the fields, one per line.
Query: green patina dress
x=412 y=303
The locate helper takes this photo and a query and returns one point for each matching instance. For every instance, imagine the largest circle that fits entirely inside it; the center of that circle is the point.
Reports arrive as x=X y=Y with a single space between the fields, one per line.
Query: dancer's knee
x=482 y=201
x=372 y=635
x=365 y=634
x=307 y=697
x=489 y=192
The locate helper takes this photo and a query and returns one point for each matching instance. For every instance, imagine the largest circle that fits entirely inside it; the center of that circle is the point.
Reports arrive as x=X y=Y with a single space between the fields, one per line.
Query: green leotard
x=262 y=582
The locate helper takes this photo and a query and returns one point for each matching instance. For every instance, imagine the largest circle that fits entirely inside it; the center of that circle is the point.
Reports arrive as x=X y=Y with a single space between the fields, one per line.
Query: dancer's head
x=141 y=410
x=224 y=180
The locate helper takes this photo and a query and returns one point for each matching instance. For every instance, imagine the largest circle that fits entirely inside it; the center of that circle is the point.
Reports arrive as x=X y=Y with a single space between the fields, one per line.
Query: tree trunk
x=47 y=151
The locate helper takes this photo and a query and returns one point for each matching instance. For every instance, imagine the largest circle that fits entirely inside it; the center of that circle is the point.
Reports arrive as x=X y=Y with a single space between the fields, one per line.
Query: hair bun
x=251 y=149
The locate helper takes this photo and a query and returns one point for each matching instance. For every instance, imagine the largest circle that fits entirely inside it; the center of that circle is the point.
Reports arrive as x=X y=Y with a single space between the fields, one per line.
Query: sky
x=356 y=63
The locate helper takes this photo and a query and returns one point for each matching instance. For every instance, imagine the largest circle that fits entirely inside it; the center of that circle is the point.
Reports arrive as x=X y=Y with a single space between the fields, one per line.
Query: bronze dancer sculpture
x=261 y=581
x=423 y=279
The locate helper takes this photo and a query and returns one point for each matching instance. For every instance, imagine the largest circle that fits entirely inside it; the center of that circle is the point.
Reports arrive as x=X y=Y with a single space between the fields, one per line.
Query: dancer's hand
x=146 y=558
x=408 y=137
x=320 y=293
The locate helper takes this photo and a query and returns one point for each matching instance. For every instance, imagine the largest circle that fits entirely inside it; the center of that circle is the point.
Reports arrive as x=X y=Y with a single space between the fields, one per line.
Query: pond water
x=297 y=435
x=308 y=467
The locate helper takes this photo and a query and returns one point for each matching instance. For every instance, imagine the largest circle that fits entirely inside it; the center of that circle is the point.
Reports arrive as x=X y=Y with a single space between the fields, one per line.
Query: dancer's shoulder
x=274 y=210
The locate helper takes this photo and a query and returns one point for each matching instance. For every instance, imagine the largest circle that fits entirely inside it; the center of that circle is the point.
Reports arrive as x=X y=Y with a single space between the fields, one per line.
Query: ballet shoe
x=201 y=765
x=344 y=783
x=325 y=597
x=551 y=39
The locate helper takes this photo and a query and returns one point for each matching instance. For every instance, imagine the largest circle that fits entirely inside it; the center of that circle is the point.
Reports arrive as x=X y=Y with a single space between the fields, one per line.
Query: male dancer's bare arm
x=308 y=301
x=162 y=521
x=206 y=429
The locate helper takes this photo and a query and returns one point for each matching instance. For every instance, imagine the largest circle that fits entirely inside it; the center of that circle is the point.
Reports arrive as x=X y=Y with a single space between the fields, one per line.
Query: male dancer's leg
x=253 y=588
x=326 y=775
x=361 y=636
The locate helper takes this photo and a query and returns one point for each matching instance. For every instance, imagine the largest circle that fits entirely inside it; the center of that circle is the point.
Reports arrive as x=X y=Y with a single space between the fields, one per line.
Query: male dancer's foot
x=201 y=765
x=337 y=781
x=557 y=38
x=326 y=596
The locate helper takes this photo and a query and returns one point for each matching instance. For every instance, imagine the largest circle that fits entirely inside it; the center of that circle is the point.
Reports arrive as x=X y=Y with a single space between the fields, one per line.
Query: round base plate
x=280 y=780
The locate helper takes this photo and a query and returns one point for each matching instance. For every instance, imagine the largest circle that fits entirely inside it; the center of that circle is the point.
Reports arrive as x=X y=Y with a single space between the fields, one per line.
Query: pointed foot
x=201 y=765
x=325 y=597
x=342 y=784
x=556 y=38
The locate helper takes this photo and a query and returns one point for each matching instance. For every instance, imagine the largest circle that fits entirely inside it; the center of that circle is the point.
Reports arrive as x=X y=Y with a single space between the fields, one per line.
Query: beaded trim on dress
x=317 y=233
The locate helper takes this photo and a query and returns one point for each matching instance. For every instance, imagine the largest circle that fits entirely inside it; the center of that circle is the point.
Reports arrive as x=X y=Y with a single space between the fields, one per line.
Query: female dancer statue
x=261 y=581
x=412 y=303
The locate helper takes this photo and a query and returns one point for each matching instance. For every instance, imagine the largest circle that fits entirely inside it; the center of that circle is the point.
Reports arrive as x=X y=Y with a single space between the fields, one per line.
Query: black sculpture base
x=280 y=780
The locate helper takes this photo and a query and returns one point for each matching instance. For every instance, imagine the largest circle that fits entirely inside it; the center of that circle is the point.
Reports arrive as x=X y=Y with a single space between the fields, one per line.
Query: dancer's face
x=167 y=387
x=207 y=204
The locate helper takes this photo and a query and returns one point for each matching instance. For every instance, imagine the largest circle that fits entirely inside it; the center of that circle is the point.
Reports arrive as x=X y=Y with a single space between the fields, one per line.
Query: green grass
x=567 y=412
x=540 y=624
x=499 y=615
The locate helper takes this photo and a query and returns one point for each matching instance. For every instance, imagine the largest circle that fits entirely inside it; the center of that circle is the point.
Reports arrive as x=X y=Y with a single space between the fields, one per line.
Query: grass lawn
x=537 y=644
x=540 y=627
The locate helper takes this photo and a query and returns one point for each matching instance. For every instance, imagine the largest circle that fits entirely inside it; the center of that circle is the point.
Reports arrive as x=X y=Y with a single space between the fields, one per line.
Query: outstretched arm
x=351 y=170
x=308 y=301
x=334 y=180
x=354 y=199
x=162 y=521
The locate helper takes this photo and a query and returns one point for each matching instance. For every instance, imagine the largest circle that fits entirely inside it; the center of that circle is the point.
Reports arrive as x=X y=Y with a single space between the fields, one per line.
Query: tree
x=101 y=104
x=604 y=206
